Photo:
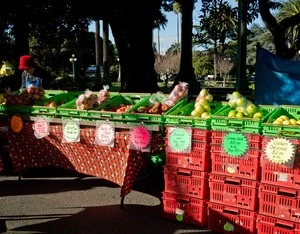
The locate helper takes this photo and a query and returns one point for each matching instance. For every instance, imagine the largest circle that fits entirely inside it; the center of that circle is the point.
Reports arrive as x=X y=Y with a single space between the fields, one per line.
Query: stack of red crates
x=233 y=185
x=279 y=193
x=186 y=190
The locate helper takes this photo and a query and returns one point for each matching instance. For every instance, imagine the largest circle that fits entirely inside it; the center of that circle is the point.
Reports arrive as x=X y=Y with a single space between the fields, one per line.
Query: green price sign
x=180 y=140
x=235 y=144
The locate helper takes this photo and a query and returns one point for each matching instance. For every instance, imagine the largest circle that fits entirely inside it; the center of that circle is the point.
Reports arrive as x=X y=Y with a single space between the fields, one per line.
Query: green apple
x=236 y=94
x=199 y=109
x=232 y=113
x=205 y=115
x=257 y=115
x=203 y=93
x=251 y=109
x=209 y=97
x=239 y=115
x=241 y=101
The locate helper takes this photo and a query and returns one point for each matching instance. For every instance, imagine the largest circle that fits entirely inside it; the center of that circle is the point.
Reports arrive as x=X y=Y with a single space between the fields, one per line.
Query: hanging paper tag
x=140 y=138
x=235 y=144
x=71 y=131
x=280 y=151
x=180 y=140
x=105 y=133
x=16 y=123
x=41 y=128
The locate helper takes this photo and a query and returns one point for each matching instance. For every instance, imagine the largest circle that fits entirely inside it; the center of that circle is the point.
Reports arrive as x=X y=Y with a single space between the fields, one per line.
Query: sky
x=168 y=35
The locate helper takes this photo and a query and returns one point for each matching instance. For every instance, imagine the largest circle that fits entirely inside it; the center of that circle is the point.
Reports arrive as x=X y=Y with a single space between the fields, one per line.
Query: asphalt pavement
x=56 y=201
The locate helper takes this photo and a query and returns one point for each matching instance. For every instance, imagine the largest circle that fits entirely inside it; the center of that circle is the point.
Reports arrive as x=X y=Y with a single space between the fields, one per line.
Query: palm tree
x=177 y=10
x=288 y=9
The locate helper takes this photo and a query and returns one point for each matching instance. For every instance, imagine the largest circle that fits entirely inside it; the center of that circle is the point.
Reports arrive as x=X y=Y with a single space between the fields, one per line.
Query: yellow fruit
x=257 y=115
x=239 y=115
x=284 y=117
x=286 y=122
x=232 y=113
x=293 y=121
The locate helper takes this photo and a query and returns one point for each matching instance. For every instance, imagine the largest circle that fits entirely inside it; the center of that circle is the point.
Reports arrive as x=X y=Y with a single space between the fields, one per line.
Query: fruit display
x=285 y=120
x=86 y=101
x=103 y=95
x=179 y=92
x=25 y=96
x=157 y=108
x=202 y=104
x=242 y=107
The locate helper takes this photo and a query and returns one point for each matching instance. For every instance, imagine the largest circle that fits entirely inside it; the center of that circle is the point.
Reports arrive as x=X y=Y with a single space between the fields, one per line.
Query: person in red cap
x=33 y=74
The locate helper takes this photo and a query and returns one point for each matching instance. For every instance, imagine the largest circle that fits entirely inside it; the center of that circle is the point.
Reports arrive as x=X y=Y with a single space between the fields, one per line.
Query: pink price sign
x=41 y=127
x=140 y=137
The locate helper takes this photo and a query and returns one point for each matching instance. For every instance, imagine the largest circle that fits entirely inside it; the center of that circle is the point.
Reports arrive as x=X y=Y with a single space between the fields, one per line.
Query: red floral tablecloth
x=117 y=164
x=3 y=135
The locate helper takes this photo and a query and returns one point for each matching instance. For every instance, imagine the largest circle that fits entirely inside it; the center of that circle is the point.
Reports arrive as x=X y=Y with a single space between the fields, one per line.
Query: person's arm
x=23 y=80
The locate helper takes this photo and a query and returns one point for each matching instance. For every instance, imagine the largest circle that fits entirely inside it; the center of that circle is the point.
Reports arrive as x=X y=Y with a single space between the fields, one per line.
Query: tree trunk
x=106 y=76
x=135 y=49
x=186 y=72
x=22 y=42
x=97 y=48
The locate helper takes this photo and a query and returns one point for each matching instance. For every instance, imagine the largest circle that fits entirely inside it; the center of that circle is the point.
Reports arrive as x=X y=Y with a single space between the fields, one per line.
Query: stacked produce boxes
x=236 y=172
x=279 y=191
x=187 y=168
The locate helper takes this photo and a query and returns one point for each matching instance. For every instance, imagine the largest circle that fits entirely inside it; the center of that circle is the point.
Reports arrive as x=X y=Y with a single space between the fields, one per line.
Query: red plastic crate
x=185 y=209
x=279 y=202
x=198 y=134
x=196 y=160
x=228 y=219
x=186 y=182
x=270 y=225
x=247 y=167
x=278 y=174
x=254 y=140
x=233 y=191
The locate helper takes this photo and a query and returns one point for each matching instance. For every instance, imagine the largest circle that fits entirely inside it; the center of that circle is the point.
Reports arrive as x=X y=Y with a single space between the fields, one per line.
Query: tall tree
x=280 y=30
x=106 y=79
x=186 y=71
x=217 y=24
x=98 y=49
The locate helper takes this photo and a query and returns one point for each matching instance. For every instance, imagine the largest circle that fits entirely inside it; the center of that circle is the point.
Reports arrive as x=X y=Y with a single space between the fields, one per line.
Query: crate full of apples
x=241 y=114
x=196 y=113
x=283 y=121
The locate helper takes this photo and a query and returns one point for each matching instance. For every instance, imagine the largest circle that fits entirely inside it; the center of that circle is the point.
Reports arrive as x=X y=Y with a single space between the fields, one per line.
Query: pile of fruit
x=158 y=108
x=242 y=107
x=25 y=97
x=202 y=104
x=285 y=120
x=89 y=100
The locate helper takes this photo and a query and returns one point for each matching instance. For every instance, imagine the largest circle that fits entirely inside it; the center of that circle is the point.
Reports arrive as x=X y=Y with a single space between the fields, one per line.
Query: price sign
x=105 y=134
x=235 y=144
x=71 y=131
x=280 y=150
x=180 y=140
x=41 y=128
x=140 y=137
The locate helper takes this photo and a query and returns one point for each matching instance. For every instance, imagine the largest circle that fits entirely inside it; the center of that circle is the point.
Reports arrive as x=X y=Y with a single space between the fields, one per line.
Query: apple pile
x=202 y=104
x=285 y=120
x=158 y=108
x=26 y=96
x=86 y=101
x=179 y=92
x=121 y=108
x=103 y=94
x=242 y=107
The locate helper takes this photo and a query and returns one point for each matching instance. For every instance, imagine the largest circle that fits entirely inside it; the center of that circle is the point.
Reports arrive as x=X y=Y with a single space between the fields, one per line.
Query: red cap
x=26 y=61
